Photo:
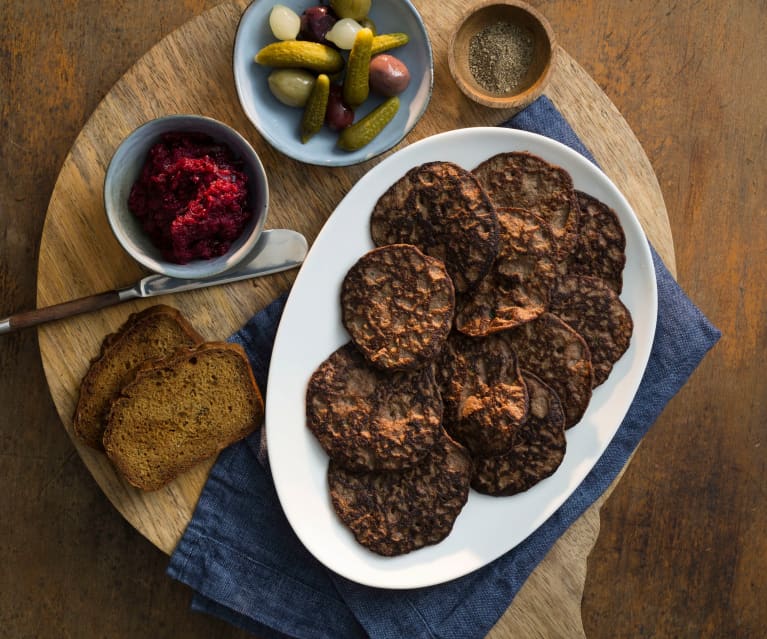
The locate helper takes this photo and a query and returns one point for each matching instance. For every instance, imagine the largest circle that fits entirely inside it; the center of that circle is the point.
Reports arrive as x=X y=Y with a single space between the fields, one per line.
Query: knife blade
x=277 y=250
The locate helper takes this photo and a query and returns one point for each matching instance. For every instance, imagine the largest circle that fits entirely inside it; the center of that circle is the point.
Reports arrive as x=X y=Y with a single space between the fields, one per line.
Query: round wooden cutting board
x=190 y=71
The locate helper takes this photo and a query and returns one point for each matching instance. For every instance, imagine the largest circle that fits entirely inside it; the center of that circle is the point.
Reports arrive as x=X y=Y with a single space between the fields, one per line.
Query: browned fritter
x=397 y=305
x=369 y=419
x=484 y=396
x=538 y=452
x=524 y=180
x=592 y=308
x=440 y=208
x=555 y=352
x=601 y=247
x=393 y=513
x=516 y=290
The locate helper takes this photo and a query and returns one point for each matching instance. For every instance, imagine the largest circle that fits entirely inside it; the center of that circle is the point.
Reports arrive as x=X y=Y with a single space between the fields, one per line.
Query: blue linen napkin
x=246 y=565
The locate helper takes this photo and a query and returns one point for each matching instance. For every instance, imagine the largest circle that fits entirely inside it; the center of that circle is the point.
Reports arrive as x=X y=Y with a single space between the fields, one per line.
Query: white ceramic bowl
x=125 y=167
x=279 y=124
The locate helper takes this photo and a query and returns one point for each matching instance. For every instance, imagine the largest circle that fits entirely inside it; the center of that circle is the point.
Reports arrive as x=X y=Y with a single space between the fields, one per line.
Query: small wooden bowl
x=535 y=78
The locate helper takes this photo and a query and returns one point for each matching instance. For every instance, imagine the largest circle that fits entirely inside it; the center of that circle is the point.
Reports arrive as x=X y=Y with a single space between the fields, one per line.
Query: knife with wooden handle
x=277 y=250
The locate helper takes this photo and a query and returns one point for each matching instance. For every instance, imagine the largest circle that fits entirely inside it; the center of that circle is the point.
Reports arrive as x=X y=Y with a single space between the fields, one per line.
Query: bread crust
x=156 y=331
x=181 y=410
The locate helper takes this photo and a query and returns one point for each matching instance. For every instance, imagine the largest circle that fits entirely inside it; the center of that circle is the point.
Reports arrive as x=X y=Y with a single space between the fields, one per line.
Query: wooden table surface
x=681 y=551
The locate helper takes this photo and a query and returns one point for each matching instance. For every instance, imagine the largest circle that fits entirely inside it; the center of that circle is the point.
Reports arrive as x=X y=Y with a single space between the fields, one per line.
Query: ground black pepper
x=499 y=56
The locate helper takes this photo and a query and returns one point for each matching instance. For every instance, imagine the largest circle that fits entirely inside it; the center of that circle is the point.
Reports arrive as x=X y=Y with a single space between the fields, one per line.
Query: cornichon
x=387 y=41
x=300 y=55
x=360 y=133
x=314 y=112
x=356 y=83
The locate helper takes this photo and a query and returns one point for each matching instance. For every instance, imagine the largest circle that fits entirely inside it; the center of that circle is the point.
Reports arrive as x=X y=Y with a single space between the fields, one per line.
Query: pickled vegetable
x=284 y=22
x=314 y=113
x=363 y=132
x=315 y=23
x=354 y=9
x=301 y=55
x=338 y=115
x=388 y=75
x=343 y=33
x=291 y=86
x=387 y=41
x=356 y=85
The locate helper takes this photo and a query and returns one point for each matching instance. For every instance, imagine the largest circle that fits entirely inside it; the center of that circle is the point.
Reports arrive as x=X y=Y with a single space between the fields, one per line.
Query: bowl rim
x=133 y=148
x=516 y=100
x=353 y=158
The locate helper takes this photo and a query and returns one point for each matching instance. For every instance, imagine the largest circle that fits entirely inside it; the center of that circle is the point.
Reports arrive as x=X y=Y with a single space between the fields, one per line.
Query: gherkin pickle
x=300 y=55
x=387 y=41
x=356 y=83
x=314 y=113
x=361 y=133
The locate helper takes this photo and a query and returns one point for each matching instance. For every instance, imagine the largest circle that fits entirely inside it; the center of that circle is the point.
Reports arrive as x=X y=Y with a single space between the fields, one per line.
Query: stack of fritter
x=478 y=329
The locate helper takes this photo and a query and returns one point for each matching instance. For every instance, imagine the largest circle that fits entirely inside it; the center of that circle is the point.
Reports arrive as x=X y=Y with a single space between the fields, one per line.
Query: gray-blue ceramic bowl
x=279 y=124
x=125 y=167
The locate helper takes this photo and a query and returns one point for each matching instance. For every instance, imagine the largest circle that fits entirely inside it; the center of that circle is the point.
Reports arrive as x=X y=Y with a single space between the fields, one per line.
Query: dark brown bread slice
x=397 y=305
x=440 y=208
x=527 y=181
x=555 y=352
x=369 y=419
x=592 y=308
x=393 y=513
x=181 y=410
x=516 y=290
x=601 y=247
x=484 y=395
x=154 y=332
x=539 y=450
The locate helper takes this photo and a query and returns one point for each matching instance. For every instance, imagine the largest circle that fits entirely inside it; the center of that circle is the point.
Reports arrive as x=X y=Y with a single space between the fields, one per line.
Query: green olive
x=354 y=9
x=291 y=86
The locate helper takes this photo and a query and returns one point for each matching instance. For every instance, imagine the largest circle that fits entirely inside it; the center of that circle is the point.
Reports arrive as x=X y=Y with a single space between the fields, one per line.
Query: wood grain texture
x=682 y=549
x=169 y=80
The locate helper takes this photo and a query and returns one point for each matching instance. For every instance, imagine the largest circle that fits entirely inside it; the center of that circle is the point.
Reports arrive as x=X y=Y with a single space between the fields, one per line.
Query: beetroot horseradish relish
x=191 y=197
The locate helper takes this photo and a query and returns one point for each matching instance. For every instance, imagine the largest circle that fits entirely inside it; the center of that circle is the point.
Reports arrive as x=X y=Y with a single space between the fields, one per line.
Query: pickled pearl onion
x=343 y=33
x=284 y=22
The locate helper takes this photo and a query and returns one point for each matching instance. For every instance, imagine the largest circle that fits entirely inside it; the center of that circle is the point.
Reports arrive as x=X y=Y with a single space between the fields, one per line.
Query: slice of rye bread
x=181 y=410
x=154 y=332
x=524 y=180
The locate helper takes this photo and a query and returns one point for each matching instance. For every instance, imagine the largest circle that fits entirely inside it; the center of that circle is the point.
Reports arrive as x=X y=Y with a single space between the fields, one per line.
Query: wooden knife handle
x=26 y=319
